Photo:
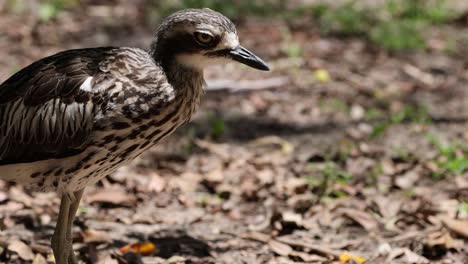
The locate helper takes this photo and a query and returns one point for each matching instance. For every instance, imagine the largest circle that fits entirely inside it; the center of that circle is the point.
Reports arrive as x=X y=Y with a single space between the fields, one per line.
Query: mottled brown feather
x=57 y=77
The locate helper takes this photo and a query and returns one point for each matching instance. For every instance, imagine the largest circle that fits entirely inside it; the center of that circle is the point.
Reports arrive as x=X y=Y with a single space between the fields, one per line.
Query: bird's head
x=197 y=38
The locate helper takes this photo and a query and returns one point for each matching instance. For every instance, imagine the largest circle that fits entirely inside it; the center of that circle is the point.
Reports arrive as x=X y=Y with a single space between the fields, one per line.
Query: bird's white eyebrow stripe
x=86 y=85
x=230 y=40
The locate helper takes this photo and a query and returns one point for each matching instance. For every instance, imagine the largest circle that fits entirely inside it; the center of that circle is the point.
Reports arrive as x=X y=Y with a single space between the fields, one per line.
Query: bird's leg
x=59 y=238
x=62 y=239
x=71 y=216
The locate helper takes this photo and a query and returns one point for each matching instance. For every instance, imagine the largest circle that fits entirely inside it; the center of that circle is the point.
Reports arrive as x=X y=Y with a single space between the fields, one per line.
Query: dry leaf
x=3 y=197
x=112 y=196
x=443 y=240
x=156 y=183
x=39 y=259
x=108 y=260
x=94 y=236
x=286 y=147
x=322 y=75
x=408 y=179
x=414 y=258
x=458 y=226
x=23 y=250
x=20 y=196
x=256 y=236
x=364 y=219
x=346 y=258
x=145 y=248
x=388 y=207
x=280 y=248
x=309 y=258
x=295 y=186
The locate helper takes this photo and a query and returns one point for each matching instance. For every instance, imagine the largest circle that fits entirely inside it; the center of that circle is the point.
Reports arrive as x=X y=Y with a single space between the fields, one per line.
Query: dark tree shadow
x=184 y=245
x=245 y=128
x=171 y=243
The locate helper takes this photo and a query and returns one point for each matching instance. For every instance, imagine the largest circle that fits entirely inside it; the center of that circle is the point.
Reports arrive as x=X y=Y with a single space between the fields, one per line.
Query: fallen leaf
x=145 y=248
x=286 y=147
x=362 y=218
x=112 y=196
x=23 y=250
x=3 y=197
x=309 y=245
x=388 y=207
x=214 y=177
x=414 y=258
x=457 y=226
x=292 y=217
x=176 y=260
x=39 y=259
x=256 y=236
x=11 y=206
x=108 y=260
x=20 y=196
x=442 y=239
x=346 y=258
x=309 y=258
x=408 y=179
x=322 y=75
x=94 y=236
x=156 y=183
x=280 y=248
x=384 y=249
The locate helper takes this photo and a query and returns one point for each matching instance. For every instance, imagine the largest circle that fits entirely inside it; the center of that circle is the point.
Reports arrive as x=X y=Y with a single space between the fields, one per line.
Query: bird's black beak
x=246 y=57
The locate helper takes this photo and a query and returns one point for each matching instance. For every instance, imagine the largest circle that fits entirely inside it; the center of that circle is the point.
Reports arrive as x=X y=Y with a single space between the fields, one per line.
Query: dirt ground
x=328 y=158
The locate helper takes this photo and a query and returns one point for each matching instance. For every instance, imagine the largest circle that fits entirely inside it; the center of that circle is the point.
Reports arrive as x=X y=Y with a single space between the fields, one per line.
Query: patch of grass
x=291 y=48
x=395 y=26
x=411 y=113
x=16 y=6
x=463 y=207
x=218 y=127
x=375 y=173
x=345 y=20
x=410 y=193
x=373 y=114
x=331 y=174
x=433 y=11
x=379 y=129
x=452 y=158
x=401 y=154
x=345 y=150
x=415 y=114
x=334 y=105
x=397 y=35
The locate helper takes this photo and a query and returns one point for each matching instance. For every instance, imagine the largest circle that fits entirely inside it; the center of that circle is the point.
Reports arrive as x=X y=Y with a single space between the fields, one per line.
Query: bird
x=70 y=119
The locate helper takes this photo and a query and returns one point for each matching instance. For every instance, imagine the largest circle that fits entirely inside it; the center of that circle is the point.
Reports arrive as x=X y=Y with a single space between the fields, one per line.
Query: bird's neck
x=178 y=75
x=187 y=82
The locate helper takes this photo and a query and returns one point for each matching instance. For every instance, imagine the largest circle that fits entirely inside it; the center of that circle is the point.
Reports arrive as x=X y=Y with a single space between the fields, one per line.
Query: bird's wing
x=46 y=109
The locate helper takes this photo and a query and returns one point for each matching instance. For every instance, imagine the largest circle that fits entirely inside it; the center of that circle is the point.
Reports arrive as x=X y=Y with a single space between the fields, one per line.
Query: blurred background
x=353 y=149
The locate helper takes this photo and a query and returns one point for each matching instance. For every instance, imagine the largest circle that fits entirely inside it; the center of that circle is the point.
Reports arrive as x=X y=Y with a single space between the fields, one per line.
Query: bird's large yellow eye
x=204 y=38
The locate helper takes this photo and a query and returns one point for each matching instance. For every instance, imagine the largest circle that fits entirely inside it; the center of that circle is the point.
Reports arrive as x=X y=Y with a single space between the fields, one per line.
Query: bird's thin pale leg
x=59 y=239
x=71 y=217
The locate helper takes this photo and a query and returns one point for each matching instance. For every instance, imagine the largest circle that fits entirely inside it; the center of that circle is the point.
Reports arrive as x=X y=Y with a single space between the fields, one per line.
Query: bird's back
x=70 y=119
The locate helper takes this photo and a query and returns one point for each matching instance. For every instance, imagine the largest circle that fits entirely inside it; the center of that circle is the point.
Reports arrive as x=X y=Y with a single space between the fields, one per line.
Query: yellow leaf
x=359 y=259
x=346 y=257
x=146 y=248
x=322 y=75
